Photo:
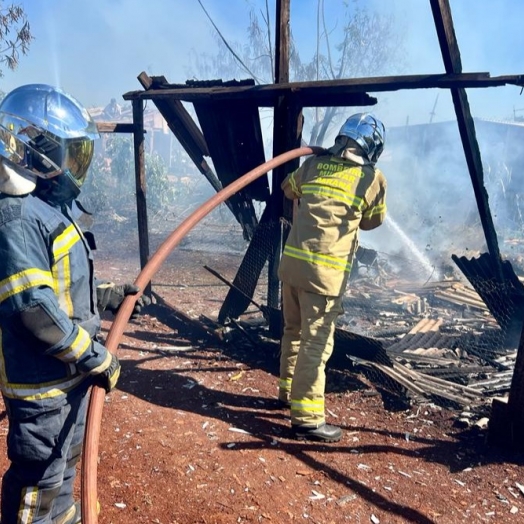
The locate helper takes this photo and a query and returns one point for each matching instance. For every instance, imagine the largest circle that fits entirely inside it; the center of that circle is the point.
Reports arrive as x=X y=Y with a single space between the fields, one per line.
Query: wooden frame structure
x=241 y=101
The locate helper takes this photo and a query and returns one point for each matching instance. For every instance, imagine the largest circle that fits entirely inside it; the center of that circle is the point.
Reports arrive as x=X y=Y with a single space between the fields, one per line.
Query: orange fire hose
x=96 y=402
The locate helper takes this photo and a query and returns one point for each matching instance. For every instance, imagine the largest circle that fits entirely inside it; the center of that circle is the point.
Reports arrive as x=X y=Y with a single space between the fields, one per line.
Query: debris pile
x=441 y=338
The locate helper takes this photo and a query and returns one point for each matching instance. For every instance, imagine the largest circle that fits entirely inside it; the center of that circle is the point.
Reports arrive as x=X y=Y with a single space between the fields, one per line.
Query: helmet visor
x=77 y=159
x=44 y=156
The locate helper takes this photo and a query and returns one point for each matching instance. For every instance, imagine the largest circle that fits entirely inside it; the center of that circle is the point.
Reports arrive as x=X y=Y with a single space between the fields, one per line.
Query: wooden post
x=286 y=135
x=507 y=420
x=140 y=184
x=453 y=64
x=516 y=399
x=506 y=423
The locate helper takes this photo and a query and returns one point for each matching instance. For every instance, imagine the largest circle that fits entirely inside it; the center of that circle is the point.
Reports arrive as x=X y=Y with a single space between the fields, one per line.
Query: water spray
x=421 y=258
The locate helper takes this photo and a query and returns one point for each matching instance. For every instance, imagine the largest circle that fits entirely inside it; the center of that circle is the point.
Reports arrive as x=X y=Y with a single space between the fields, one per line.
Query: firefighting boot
x=69 y=516
x=323 y=433
x=74 y=514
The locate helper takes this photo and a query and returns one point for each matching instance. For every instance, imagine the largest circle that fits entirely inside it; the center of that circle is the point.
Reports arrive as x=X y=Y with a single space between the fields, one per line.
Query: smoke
x=96 y=49
x=431 y=197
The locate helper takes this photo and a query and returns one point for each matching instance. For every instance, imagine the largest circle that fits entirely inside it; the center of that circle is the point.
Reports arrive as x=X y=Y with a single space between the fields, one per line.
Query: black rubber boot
x=324 y=433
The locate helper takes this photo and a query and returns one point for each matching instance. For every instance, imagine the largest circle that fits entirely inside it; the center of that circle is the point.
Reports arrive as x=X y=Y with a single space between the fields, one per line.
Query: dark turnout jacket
x=48 y=311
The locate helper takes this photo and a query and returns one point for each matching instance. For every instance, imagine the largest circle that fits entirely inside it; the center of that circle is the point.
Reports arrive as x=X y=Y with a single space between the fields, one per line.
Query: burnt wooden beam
x=320 y=93
x=115 y=127
x=185 y=130
x=180 y=123
x=335 y=100
x=516 y=399
x=266 y=244
x=282 y=38
x=286 y=136
x=140 y=184
x=506 y=423
x=452 y=62
x=446 y=36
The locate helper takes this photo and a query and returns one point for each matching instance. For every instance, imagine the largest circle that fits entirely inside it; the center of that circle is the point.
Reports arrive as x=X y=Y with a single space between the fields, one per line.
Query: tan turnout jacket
x=337 y=196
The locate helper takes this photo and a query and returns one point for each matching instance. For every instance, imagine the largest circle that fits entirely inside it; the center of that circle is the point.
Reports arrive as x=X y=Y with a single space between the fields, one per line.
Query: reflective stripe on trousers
x=44 y=449
x=307 y=344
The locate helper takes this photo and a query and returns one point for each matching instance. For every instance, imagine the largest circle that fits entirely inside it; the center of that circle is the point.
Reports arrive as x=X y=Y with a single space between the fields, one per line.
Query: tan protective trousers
x=307 y=344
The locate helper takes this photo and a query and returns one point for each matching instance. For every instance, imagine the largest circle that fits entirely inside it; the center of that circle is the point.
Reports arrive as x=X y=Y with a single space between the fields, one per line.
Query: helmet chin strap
x=341 y=143
x=58 y=190
x=346 y=147
x=15 y=181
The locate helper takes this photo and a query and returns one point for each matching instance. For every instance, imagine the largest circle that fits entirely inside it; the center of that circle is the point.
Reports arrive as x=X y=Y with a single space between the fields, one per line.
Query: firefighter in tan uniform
x=337 y=194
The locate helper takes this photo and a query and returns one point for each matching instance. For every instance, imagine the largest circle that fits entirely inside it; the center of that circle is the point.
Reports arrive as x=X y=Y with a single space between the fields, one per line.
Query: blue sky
x=96 y=49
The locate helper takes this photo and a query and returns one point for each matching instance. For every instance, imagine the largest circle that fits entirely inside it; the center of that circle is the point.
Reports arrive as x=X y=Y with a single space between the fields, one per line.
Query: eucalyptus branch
x=269 y=39
x=328 y=45
x=11 y=19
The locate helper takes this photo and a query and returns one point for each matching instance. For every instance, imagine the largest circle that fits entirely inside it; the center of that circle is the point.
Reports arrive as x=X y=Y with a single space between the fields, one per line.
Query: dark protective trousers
x=307 y=344
x=44 y=449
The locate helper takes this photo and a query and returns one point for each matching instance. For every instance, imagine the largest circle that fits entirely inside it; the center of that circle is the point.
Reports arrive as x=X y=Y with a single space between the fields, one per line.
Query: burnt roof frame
x=285 y=96
x=324 y=93
x=328 y=93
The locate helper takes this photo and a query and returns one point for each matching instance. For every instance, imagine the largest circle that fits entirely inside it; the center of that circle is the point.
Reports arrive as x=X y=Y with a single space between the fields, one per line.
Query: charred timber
x=115 y=127
x=193 y=141
x=325 y=93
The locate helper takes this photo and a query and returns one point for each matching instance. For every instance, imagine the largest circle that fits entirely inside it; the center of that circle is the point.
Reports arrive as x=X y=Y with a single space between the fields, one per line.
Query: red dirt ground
x=193 y=435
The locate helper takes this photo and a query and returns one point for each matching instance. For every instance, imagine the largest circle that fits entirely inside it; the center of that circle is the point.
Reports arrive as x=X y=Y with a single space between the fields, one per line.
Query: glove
x=142 y=302
x=110 y=297
x=106 y=375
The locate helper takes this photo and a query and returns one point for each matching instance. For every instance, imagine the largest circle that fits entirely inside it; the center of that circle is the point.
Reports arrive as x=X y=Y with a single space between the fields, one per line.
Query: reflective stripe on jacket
x=336 y=196
x=46 y=262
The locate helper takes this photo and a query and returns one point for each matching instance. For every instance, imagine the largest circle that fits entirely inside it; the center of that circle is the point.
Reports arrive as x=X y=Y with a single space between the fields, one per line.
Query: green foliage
x=15 y=35
x=97 y=189
x=110 y=186
x=119 y=150
x=161 y=191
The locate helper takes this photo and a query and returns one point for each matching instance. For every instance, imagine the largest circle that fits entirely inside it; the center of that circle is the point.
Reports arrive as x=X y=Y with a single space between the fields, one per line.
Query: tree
x=368 y=44
x=15 y=35
x=110 y=186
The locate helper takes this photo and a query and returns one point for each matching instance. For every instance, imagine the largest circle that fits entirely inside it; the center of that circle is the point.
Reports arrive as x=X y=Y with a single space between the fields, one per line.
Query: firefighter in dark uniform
x=338 y=193
x=49 y=318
